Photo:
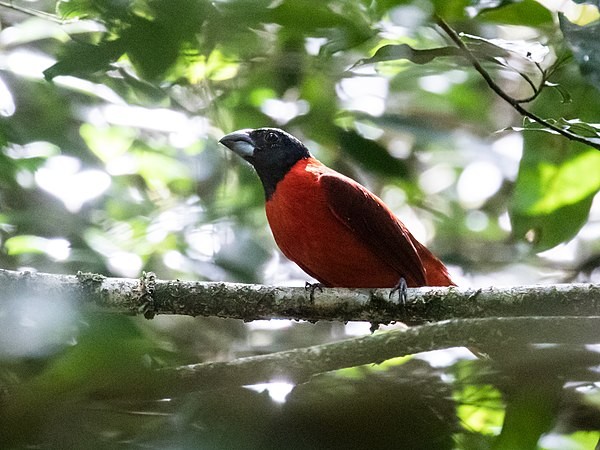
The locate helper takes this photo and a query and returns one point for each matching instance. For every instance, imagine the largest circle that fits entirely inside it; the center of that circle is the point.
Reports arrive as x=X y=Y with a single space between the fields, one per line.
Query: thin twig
x=513 y=102
x=536 y=89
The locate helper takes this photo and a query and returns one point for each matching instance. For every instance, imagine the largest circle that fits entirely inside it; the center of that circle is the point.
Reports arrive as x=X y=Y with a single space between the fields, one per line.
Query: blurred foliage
x=110 y=113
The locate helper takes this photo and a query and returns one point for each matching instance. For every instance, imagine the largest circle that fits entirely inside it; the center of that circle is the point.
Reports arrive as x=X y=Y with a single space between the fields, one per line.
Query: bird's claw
x=312 y=287
x=402 y=289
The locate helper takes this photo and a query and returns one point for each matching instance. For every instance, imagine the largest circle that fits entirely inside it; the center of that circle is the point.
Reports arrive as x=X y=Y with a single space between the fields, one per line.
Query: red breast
x=309 y=234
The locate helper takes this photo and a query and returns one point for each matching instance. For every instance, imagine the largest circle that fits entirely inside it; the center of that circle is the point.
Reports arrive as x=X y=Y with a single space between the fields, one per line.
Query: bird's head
x=271 y=151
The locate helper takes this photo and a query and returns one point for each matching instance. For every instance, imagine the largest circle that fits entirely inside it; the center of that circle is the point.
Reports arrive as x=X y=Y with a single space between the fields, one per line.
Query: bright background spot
x=62 y=177
x=277 y=390
x=35 y=326
x=478 y=182
x=364 y=93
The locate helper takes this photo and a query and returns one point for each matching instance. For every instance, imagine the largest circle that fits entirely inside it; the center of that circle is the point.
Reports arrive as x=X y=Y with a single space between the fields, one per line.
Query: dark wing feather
x=375 y=225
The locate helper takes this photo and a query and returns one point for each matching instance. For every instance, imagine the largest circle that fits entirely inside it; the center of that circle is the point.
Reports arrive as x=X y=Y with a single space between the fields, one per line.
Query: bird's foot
x=402 y=289
x=312 y=287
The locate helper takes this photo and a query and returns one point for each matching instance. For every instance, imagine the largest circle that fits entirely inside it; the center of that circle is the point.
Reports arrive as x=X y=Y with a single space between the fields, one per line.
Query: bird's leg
x=312 y=287
x=402 y=289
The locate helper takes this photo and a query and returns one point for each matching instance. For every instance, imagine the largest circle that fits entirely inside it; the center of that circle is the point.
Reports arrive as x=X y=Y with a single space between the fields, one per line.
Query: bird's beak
x=239 y=142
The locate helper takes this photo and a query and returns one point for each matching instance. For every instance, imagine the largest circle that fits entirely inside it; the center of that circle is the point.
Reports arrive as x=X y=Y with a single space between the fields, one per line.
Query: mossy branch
x=248 y=302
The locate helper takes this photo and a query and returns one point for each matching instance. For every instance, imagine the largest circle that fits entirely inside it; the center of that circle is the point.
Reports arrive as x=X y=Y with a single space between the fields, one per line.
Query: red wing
x=319 y=278
x=375 y=225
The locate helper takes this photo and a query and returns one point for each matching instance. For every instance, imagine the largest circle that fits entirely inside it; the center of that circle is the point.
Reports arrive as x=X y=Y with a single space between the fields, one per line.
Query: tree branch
x=298 y=365
x=516 y=104
x=250 y=302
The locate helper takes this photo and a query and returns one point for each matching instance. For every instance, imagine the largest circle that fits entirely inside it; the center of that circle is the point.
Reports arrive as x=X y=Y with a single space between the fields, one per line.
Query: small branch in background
x=251 y=302
x=516 y=104
x=298 y=365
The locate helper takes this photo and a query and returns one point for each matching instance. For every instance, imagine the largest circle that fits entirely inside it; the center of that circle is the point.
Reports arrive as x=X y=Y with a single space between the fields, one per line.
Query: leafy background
x=110 y=113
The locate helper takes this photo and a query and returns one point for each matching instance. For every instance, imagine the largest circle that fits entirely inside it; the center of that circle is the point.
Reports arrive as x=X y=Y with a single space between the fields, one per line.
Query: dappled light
x=33 y=327
x=277 y=390
x=61 y=176
x=476 y=123
x=364 y=93
x=477 y=183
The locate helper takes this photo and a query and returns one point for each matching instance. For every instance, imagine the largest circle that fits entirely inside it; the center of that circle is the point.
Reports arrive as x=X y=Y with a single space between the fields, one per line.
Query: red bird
x=332 y=227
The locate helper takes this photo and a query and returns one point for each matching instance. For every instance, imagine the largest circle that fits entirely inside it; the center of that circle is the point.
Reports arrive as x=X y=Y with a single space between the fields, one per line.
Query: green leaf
x=580 y=127
x=488 y=49
x=311 y=17
x=102 y=10
x=576 y=126
x=555 y=186
x=527 y=12
x=585 y=45
x=109 y=142
x=405 y=51
x=151 y=47
x=530 y=412
x=371 y=155
x=158 y=169
x=564 y=93
x=454 y=10
x=82 y=59
x=25 y=244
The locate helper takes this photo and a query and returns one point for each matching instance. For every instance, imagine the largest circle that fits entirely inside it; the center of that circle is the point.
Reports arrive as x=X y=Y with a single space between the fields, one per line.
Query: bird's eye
x=271 y=137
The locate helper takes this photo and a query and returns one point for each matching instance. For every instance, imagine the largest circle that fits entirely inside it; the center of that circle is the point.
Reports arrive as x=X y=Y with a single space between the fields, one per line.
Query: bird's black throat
x=270 y=175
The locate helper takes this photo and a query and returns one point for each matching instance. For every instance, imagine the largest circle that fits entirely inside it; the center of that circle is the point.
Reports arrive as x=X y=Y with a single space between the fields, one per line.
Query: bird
x=332 y=227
